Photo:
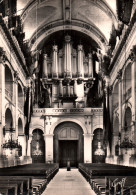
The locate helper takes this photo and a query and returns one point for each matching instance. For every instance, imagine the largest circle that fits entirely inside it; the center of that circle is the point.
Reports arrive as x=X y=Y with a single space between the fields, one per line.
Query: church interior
x=68 y=92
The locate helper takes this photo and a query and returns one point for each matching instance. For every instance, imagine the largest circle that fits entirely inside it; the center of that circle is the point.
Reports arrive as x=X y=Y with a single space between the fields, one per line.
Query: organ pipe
x=45 y=72
x=80 y=61
x=55 y=61
x=67 y=57
x=90 y=65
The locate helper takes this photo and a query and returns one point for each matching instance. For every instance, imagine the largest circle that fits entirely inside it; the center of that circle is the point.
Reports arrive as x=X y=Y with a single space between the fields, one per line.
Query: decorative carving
x=67 y=38
x=132 y=55
x=16 y=76
x=80 y=47
x=119 y=75
x=2 y=55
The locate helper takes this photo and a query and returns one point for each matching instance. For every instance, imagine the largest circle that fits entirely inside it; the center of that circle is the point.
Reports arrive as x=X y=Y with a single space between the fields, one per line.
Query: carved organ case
x=67 y=74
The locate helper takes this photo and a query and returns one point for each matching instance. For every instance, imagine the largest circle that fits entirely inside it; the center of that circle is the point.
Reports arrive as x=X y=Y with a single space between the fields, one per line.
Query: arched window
x=8 y=83
x=20 y=97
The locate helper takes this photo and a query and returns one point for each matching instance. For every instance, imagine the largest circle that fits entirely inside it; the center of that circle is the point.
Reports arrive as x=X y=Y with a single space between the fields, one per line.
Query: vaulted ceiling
x=96 y=16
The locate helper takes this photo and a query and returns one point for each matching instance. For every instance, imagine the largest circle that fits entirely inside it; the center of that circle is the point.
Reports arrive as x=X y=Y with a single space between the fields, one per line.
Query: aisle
x=68 y=183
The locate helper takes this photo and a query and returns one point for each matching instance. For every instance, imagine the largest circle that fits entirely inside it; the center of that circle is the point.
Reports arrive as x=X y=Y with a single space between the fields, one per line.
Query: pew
x=108 y=179
x=12 y=188
x=28 y=179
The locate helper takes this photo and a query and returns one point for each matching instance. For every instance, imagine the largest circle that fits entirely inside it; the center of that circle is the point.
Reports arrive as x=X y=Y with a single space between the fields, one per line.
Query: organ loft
x=68 y=73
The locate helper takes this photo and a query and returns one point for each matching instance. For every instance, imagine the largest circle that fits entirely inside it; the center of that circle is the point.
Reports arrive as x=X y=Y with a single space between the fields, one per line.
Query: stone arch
x=97 y=127
x=68 y=120
x=20 y=96
x=36 y=127
x=92 y=32
x=8 y=119
x=8 y=82
x=68 y=143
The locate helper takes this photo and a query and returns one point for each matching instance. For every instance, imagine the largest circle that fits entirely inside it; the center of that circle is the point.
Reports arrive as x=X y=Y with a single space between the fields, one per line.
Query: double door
x=68 y=152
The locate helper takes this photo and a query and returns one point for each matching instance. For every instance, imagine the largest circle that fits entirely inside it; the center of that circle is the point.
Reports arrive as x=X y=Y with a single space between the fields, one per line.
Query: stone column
x=90 y=65
x=45 y=70
x=55 y=62
x=80 y=61
x=120 y=99
x=67 y=57
x=28 y=157
x=49 y=147
x=16 y=104
x=2 y=107
x=88 y=147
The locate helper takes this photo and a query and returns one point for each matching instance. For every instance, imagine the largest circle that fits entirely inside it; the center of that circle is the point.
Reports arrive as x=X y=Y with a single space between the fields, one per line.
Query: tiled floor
x=68 y=183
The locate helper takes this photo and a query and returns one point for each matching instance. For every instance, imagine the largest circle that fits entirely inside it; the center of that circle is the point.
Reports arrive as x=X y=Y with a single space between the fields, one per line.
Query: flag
x=124 y=9
x=28 y=110
x=107 y=127
x=112 y=40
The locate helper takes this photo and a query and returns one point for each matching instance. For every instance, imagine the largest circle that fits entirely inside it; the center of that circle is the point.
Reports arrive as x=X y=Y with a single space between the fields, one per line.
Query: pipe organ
x=67 y=70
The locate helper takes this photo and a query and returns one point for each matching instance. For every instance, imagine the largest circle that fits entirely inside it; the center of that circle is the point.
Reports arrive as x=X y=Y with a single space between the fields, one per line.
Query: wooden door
x=68 y=152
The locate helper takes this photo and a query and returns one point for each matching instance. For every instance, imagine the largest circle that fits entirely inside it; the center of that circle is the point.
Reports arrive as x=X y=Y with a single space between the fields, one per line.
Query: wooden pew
x=13 y=187
x=26 y=182
x=101 y=178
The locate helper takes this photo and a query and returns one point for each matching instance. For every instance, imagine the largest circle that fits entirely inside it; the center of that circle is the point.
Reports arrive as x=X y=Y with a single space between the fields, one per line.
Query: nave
x=68 y=183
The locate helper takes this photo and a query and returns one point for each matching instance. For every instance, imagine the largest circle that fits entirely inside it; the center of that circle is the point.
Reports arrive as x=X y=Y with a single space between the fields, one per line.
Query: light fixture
x=127 y=144
x=12 y=144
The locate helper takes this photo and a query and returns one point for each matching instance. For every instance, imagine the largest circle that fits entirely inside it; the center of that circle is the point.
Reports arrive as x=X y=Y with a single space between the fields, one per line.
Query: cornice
x=125 y=39
x=11 y=44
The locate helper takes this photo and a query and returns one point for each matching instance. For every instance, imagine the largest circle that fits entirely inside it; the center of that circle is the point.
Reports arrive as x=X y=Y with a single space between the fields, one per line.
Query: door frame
x=80 y=139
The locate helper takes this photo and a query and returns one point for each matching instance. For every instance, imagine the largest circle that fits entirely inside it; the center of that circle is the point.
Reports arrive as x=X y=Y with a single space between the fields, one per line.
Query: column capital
x=45 y=56
x=55 y=48
x=132 y=55
x=67 y=38
x=16 y=76
x=88 y=135
x=80 y=47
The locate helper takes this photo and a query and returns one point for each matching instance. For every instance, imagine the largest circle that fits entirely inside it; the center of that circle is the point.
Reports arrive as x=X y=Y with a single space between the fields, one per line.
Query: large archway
x=68 y=144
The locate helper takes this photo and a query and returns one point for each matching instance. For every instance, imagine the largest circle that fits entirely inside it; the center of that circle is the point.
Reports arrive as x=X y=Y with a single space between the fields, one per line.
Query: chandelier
x=12 y=144
x=127 y=144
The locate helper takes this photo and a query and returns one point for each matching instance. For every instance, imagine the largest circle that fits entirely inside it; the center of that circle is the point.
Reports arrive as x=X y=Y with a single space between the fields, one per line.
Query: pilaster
x=49 y=147
x=88 y=137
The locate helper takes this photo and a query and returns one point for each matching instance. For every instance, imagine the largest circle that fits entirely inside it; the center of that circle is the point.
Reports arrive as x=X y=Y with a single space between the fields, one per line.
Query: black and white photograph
x=67 y=97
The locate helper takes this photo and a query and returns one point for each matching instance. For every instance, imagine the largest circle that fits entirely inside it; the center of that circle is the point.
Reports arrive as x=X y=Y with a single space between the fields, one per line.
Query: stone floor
x=68 y=183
